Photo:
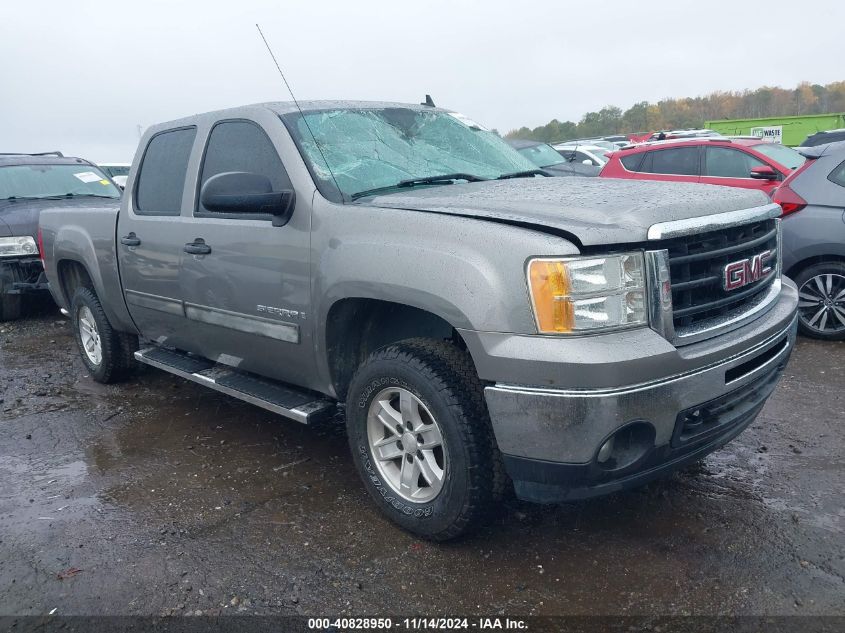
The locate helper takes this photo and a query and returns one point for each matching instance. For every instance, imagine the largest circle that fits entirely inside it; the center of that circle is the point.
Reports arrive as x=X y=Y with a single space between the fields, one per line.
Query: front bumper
x=551 y=437
x=23 y=275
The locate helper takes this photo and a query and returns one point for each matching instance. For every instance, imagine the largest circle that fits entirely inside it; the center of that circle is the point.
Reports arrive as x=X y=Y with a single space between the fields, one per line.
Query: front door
x=150 y=240
x=247 y=295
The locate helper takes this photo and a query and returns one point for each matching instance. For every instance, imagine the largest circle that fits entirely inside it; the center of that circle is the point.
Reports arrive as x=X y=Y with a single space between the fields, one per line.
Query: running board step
x=291 y=402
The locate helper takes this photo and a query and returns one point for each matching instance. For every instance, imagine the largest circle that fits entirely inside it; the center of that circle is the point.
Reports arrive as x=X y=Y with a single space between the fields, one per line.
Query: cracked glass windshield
x=378 y=150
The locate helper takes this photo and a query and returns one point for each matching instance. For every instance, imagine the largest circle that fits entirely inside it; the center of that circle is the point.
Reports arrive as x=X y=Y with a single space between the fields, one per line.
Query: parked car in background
x=593 y=155
x=545 y=157
x=118 y=172
x=30 y=183
x=813 y=202
x=746 y=163
x=487 y=327
x=610 y=143
x=823 y=138
x=667 y=135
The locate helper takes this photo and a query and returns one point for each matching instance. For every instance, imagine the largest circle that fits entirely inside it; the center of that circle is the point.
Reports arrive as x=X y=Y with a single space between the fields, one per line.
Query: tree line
x=692 y=112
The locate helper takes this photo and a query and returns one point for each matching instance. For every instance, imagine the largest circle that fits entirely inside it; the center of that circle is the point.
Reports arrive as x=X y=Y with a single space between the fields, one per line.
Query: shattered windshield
x=371 y=149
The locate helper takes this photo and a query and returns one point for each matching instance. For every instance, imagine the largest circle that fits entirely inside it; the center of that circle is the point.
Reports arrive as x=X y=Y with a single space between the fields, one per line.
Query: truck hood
x=20 y=217
x=596 y=211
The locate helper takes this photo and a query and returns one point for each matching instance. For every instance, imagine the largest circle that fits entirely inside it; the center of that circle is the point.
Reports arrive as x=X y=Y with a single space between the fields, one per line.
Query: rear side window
x=631 y=162
x=838 y=175
x=724 y=162
x=162 y=176
x=241 y=146
x=679 y=161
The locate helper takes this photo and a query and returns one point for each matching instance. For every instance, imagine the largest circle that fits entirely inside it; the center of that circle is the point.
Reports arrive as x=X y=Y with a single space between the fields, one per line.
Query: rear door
x=247 y=299
x=150 y=239
x=679 y=164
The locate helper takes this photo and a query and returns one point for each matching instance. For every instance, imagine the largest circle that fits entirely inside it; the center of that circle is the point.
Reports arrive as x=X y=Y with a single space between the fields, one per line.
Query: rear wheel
x=421 y=438
x=107 y=354
x=821 y=301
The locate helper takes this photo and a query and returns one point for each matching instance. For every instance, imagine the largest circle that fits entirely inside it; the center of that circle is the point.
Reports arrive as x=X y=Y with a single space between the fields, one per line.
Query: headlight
x=11 y=246
x=588 y=293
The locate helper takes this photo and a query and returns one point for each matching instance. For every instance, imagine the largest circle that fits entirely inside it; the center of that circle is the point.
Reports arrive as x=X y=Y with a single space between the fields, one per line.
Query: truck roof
x=287 y=107
x=40 y=159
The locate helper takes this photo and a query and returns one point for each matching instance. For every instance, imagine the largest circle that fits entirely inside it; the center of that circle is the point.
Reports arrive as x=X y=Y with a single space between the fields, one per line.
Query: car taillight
x=788 y=200
x=41 y=249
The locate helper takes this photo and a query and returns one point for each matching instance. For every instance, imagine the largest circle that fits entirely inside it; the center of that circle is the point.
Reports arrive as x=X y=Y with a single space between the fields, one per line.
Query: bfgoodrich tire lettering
x=443 y=380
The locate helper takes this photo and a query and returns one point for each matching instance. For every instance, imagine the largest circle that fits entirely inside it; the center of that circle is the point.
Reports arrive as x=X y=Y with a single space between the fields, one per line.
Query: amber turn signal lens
x=549 y=283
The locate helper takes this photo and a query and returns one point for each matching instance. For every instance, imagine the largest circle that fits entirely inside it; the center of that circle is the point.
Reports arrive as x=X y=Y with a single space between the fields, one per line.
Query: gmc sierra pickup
x=483 y=327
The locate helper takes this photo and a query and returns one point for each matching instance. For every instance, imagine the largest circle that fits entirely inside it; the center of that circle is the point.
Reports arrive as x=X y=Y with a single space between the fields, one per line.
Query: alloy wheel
x=407 y=445
x=821 y=303
x=90 y=336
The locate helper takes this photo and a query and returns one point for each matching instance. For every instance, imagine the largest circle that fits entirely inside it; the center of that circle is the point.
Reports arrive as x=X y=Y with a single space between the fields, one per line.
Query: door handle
x=198 y=247
x=130 y=240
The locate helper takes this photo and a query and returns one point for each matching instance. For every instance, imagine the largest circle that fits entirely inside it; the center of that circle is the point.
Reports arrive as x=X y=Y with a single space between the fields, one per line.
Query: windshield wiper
x=84 y=195
x=524 y=174
x=426 y=180
x=32 y=198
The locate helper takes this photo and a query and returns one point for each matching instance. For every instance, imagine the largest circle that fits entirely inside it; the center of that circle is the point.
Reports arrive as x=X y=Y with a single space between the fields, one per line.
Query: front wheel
x=421 y=438
x=107 y=353
x=821 y=301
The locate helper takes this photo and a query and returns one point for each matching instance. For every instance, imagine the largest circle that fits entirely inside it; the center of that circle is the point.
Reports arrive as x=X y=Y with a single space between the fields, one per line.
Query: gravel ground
x=158 y=496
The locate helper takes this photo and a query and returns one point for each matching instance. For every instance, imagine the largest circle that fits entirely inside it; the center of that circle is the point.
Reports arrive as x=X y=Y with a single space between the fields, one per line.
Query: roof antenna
x=428 y=102
x=302 y=114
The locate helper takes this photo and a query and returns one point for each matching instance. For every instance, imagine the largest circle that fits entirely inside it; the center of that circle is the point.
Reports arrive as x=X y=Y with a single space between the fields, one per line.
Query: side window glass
x=162 y=174
x=838 y=175
x=681 y=161
x=724 y=162
x=631 y=162
x=241 y=146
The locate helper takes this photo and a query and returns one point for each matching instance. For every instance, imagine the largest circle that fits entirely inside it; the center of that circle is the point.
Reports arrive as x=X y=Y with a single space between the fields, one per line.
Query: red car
x=745 y=162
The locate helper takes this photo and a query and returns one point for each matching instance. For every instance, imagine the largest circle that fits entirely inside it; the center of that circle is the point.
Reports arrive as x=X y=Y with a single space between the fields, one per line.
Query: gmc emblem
x=746 y=271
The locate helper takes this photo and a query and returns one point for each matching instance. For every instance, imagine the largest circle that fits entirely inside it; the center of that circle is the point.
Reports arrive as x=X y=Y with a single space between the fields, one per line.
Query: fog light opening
x=626 y=446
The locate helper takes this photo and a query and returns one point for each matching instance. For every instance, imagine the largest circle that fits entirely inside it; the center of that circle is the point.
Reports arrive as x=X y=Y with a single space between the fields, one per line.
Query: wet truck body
x=482 y=327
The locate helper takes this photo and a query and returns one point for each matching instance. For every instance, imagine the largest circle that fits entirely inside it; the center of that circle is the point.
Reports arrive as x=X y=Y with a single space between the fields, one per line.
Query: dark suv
x=28 y=184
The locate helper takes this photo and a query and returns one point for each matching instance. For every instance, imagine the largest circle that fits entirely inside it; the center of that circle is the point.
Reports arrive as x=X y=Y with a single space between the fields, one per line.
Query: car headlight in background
x=17 y=246
x=588 y=293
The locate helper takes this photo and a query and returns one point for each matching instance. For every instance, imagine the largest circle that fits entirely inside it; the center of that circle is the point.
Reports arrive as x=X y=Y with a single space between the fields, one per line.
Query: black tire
x=834 y=329
x=444 y=380
x=116 y=347
x=11 y=306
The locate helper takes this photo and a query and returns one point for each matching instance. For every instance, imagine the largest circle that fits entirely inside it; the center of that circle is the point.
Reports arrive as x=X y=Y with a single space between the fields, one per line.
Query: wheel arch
x=357 y=326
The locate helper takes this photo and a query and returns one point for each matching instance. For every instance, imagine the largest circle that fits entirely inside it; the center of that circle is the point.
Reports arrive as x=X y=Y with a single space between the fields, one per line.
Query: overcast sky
x=81 y=76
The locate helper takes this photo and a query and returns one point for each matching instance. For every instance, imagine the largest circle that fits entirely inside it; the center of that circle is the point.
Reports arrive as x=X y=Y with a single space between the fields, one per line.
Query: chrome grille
x=696 y=271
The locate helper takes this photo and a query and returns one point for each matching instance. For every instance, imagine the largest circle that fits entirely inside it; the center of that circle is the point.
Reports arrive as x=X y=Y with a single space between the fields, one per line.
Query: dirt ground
x=158 y=496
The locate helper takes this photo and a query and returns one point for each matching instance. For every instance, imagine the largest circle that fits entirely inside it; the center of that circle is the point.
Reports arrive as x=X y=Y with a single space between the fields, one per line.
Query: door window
x=724 y=162
x=161 y=179
x=680 y=161
x=241 y=146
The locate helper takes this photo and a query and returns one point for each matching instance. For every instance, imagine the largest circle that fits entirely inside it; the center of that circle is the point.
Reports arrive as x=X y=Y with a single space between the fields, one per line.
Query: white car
x=117 y=172
x=586 y=154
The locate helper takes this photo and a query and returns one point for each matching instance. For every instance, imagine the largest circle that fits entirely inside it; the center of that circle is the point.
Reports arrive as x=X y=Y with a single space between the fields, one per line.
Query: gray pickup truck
x=485 y=328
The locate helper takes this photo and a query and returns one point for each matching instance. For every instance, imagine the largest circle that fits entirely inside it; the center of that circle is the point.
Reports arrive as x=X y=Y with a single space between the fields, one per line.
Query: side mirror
x=586 y=161
x=243 y=192
x=764 y=172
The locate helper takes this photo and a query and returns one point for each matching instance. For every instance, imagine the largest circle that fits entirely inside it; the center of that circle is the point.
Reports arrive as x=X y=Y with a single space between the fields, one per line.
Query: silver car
x=813 y=201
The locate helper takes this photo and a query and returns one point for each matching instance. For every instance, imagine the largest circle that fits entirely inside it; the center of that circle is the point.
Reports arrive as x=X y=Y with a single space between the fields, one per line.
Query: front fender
x=467 y=271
